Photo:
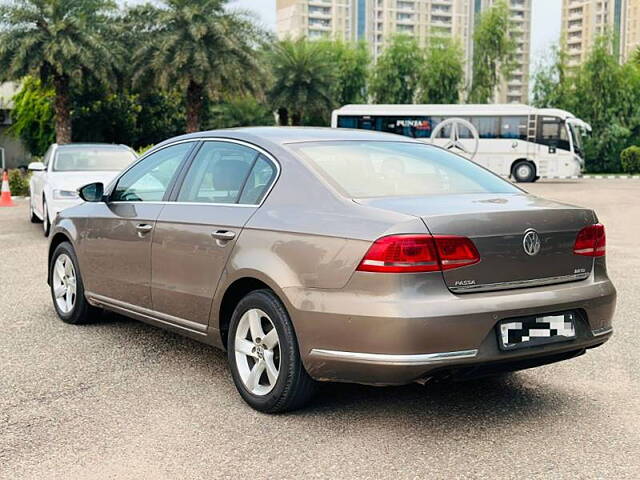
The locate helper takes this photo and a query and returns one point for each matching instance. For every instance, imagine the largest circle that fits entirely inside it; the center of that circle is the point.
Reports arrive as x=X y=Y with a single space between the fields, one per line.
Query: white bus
x=516 y=141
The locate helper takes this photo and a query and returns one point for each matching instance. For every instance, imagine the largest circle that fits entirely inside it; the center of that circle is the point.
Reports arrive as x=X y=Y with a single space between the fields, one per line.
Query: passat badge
x=531 y=242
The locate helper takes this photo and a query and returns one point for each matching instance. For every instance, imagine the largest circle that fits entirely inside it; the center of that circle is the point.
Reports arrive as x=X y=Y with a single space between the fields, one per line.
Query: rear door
x=195 y=234
x=118 y=234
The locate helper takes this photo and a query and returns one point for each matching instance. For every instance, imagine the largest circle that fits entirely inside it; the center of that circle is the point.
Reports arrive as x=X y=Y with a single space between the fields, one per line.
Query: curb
x=612 y=177
x=594 y=177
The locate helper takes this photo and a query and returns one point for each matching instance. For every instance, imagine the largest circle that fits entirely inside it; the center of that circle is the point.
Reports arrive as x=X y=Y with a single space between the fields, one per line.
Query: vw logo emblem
x=531 y=243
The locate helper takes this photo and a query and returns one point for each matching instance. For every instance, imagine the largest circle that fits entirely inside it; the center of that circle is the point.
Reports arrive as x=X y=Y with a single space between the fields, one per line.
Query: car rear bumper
x=385 y=369
x=374 y=338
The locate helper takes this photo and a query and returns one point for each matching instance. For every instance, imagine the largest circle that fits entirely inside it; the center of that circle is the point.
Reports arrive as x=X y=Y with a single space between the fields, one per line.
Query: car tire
x=67 y=289
x=46 y=224
x=33 y=218
x=287 y=388
x=524 y=172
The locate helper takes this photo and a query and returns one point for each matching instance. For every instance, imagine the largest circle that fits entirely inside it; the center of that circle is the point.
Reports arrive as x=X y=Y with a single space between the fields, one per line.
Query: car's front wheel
x=67 y=289
x=264 y=357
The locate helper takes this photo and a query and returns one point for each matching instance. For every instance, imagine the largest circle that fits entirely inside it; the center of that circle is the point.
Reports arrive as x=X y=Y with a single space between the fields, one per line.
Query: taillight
x=456 y=252
x=419 y=253
x=591 y=241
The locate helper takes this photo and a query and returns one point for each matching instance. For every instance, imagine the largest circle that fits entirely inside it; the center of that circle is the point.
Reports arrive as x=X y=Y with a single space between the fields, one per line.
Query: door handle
x=144 y=228
x=224 y=235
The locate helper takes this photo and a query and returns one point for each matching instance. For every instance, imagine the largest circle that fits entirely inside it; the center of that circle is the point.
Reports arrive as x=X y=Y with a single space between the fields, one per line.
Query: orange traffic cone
x=5 y=197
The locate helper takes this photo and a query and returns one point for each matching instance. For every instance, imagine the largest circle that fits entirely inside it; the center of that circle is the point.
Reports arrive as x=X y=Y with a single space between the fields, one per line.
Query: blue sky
x=545 y=22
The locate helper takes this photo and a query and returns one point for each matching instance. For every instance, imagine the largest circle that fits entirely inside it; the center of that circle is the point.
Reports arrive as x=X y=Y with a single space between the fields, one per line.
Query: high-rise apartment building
x=316 y=19
x=375 y=21
x=584 y=20
x=630 y=33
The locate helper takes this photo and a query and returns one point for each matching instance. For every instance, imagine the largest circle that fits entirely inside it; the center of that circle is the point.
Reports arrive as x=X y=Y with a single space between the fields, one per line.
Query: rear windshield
x=382 y=169
x=92 y=159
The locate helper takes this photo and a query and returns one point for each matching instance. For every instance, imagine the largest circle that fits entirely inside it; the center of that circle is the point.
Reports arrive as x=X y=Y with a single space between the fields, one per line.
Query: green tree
x=161 y=115
x=303 y=79
x=240 y=112
x=201 y=49
x=603 y=93
x=493 y=50
x=442 y=77
x=351 y=62
x=56 y=41
x=635 y=57
x=396 y=76
x=32 y=116
x=552 y=84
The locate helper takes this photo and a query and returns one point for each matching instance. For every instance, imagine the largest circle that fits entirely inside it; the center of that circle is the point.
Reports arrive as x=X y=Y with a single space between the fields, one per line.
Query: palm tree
x=55 y=41
x=201 y=49
x=303 y=77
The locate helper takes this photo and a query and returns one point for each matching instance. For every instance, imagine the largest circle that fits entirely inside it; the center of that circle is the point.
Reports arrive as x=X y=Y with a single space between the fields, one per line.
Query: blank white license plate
x=540 y=330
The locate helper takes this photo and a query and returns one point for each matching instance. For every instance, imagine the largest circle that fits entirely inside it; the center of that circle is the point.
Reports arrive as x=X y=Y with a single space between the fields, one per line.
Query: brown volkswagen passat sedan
x=319 y=254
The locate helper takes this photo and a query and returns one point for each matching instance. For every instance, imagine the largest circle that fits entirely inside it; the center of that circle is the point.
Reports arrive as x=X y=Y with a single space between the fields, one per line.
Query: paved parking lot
x=119 y=399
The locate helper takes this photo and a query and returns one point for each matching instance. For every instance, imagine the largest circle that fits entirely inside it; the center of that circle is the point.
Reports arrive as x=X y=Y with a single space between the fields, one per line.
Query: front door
x=195 y=235
x=117 y=237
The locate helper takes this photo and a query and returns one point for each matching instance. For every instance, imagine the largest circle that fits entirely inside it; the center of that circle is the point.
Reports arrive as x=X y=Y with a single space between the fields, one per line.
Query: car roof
x=286 y=135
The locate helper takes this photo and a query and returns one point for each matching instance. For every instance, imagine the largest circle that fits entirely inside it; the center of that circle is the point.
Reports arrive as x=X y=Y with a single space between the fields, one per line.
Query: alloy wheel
x=64 y=283
x=257 y=351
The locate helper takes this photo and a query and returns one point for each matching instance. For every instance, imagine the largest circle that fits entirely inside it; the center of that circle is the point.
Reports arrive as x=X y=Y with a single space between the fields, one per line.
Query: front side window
x=224 y=172
x=576 y=136
x=149 y=180
x=92 y=159
x=379 y=169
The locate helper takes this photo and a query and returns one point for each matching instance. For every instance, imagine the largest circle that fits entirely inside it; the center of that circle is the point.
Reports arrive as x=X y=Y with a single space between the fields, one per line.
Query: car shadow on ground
x=507 y=398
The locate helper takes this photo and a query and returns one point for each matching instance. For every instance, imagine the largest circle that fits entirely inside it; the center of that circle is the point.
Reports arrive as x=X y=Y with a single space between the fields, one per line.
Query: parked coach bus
x=516 y=141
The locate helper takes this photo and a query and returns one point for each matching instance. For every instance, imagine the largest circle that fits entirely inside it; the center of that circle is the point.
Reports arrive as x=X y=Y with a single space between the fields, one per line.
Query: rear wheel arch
x=235 y=292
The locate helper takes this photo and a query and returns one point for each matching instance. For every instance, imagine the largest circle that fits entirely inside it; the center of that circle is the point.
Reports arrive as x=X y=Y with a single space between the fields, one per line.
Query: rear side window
x=225 y=172
x=259 y=181
x=380 y=169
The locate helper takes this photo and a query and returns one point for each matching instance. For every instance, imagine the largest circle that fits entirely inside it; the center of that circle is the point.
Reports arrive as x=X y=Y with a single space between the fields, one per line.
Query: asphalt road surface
x=120 y=399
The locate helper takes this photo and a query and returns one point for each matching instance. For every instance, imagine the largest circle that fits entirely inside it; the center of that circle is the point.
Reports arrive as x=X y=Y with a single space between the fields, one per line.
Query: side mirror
x=36 y=166
x=92 y=192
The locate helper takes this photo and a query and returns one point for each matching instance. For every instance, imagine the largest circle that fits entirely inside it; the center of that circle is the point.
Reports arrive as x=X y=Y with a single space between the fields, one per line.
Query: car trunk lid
x=497 y=225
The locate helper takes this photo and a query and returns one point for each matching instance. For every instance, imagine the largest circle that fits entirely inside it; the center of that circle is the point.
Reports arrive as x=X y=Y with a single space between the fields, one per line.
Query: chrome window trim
x=536 y=282
x=260 y=150
x=185 y=203
x=393 y=359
